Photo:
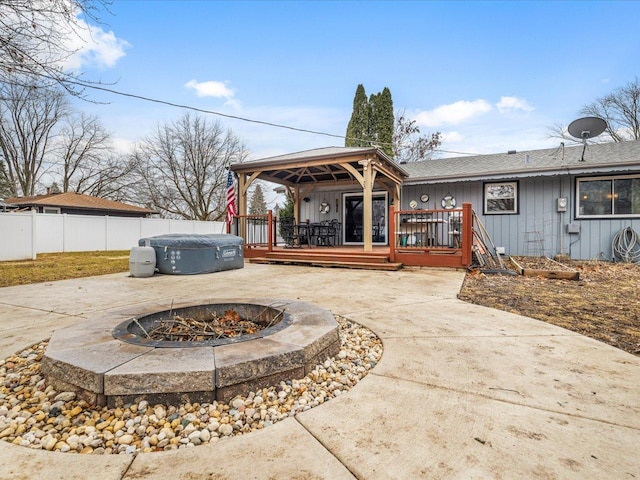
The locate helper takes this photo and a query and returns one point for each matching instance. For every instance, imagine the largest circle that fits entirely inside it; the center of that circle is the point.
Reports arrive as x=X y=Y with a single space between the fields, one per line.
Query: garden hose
x=626 y=246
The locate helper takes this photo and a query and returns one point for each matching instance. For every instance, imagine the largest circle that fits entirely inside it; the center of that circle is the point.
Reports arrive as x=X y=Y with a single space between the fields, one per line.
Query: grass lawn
x=60 y=266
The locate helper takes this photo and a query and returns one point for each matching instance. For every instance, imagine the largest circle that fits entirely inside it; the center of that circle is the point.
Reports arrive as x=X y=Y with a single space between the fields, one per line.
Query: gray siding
x=311 y=210
x=537 y=216
x=517 y=233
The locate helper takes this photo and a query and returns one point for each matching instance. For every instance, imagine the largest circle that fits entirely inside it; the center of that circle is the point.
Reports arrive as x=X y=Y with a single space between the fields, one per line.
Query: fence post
x=34 y=237
x=64 y=232
x=392 y=233
x=106 y=233
x=269 y=231
x=467 y=233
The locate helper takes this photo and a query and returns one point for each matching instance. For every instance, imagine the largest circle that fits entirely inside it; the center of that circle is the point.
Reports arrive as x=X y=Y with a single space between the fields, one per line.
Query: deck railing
x=256 y=230
x=432 y=237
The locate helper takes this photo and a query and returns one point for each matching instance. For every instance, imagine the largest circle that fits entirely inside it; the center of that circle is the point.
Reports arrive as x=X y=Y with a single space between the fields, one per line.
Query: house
x=76 y=204
x=559 y=201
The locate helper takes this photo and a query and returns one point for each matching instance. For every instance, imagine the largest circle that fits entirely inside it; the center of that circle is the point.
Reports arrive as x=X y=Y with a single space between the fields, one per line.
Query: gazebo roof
x=330 y=165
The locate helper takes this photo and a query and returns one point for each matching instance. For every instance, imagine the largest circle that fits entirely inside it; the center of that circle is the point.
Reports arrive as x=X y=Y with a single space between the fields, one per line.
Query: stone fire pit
x=109 y=361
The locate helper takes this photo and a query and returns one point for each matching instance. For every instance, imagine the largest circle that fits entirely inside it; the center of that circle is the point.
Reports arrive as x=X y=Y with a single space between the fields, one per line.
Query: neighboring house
x=553 y=201
x=5 y=207
x=77 y=204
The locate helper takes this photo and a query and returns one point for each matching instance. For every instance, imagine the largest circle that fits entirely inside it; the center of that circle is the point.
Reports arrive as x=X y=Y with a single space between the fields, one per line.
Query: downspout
x=561 y=213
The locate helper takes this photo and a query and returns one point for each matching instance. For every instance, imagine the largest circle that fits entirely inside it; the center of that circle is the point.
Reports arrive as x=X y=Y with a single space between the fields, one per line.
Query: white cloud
x=93 y=46
x=453 y=114
x=210 y=89
x=122 y=145
x=512 y=104
x=452 y=137
x=214 y=89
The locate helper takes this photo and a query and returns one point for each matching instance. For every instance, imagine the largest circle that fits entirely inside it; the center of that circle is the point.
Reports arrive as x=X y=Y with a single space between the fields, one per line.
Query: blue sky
x=491 y=76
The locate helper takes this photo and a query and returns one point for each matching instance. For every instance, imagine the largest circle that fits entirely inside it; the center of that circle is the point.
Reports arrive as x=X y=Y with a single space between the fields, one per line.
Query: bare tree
x=28 y=116
x=83 y=146
x=182 y=168
x=620 y=109
x=408 y=144
x=35 y=37
x=115 y=177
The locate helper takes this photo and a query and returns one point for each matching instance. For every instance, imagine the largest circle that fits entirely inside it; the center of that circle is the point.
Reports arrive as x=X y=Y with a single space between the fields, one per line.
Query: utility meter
x=562 y=204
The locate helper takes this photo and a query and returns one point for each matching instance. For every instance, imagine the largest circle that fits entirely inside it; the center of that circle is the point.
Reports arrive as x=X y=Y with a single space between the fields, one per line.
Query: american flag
x=231 y=199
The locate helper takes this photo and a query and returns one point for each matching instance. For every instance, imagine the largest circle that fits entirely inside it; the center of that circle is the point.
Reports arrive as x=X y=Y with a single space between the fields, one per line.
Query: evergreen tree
x=285 y=216
x=55 y=188
x=358 y=128
x=382 y=124
x=258 y=206
x=287 y=210
x=372 y=121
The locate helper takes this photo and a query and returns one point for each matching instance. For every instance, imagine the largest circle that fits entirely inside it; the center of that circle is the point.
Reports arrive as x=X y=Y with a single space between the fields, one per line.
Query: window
x=608 y=196
x=500 y=198
x=50 y=210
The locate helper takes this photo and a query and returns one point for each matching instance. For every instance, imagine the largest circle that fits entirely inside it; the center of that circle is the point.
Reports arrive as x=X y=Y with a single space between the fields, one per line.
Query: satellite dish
x=586 y=128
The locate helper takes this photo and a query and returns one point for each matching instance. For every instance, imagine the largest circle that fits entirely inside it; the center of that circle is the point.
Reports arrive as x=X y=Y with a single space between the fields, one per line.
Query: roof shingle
x=553 y=161
x=75 y=200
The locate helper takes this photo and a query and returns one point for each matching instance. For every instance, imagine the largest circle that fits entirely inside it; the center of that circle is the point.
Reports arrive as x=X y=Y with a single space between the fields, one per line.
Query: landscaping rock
x=34 y=415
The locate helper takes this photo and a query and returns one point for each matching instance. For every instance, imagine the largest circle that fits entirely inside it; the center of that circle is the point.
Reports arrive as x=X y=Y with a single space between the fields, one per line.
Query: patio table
x=419 y=232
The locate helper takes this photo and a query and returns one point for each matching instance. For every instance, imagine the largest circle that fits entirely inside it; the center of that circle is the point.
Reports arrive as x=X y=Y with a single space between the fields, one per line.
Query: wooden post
x=392 y=233
x=269 y=231
x=242 y=205
x=467 y=233
x=296 y=204
x=367 y=213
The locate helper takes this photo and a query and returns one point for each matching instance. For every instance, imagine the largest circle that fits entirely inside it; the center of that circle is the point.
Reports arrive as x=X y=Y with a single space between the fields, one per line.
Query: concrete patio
x=462 y=391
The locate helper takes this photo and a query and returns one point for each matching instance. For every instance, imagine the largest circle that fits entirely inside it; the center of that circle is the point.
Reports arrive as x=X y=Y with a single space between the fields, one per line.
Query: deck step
x=386 y=266
x=329 y=256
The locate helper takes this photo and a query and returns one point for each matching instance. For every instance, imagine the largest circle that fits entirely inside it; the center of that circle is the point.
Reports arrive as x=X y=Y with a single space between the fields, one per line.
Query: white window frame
x=486 y=187
x=51 y=210
x=612 y=179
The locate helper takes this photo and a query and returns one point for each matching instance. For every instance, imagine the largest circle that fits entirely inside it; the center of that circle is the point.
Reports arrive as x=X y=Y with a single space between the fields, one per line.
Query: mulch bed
x=604 y=304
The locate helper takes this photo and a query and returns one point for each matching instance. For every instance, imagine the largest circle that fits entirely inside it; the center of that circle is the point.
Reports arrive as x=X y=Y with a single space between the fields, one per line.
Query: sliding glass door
x=353 y=218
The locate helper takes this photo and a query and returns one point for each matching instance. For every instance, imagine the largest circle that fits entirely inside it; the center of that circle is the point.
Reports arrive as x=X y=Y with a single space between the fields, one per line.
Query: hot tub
x=182 y=254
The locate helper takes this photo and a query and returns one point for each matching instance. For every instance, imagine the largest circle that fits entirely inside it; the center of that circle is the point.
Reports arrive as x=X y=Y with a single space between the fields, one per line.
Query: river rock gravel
x=34 y=415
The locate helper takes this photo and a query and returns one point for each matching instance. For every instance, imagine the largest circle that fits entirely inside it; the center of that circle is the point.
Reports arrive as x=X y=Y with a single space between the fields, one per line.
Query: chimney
x=48 y=190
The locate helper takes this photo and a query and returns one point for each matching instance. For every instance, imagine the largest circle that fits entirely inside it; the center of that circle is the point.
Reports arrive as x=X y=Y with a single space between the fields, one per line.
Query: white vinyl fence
x=24 y=235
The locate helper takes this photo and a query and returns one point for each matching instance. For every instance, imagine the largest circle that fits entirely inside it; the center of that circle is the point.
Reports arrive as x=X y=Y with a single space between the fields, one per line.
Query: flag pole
x=231 y=200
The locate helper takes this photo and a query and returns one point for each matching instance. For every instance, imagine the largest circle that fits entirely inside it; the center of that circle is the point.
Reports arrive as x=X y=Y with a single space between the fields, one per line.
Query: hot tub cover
x=191 y=240
x=189 y=254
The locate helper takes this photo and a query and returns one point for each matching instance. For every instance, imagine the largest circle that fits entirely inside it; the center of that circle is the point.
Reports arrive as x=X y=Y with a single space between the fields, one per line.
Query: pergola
x=301 y=173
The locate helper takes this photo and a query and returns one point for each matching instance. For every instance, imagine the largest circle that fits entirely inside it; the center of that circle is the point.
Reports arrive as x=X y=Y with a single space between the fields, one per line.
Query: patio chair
x=337 y=227
x=326 y=234
x=289 y=233
x=455 y=229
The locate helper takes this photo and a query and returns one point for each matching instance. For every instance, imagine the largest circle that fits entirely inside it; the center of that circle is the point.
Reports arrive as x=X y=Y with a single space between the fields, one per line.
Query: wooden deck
x=417 y=238
x=342 y=256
